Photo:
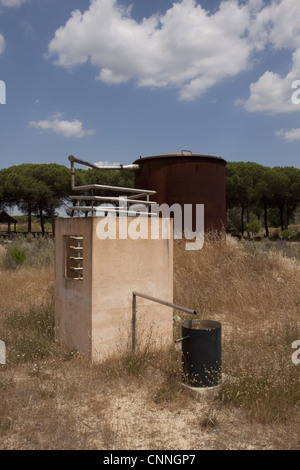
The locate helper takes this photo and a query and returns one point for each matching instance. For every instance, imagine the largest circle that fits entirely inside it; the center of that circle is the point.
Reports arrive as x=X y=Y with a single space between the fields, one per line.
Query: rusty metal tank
x=187 y=178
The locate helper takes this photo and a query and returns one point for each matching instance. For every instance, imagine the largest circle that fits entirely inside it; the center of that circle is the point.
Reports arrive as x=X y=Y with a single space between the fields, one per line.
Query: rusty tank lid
x=182 y=153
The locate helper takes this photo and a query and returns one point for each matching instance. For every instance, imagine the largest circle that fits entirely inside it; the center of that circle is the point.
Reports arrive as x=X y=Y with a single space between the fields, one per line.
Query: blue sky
x=110 y=80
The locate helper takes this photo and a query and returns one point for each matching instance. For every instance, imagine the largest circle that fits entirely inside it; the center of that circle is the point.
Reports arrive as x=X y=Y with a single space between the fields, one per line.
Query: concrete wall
x=94 y=315
x=73 y=322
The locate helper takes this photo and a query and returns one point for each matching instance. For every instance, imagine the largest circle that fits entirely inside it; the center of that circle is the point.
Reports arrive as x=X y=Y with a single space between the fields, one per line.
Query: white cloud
x=276 y=25
x=270 y=94
x=281 y=20
x=62 y=127
x=289 y=135
x=2 y=43
x=273 y=93
x=11 y=3
x=187 y=47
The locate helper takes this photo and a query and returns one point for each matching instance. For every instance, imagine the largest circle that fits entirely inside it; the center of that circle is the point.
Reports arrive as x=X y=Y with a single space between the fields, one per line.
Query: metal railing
x=131 y=204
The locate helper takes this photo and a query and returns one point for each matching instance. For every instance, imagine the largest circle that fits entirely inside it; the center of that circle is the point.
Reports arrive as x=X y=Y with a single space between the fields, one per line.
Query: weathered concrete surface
x=95 y=315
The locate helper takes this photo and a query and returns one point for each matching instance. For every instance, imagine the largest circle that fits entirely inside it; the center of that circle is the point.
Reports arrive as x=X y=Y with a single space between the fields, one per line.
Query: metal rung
x=76 y=248
x=75 y=269
x=140 y=195
x=114 y=199
x=76 y=259
x=83 y=208
x=109 y=209
x=112 y=188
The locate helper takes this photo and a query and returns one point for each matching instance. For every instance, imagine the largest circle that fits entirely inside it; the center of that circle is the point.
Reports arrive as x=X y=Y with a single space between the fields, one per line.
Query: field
x=52 y=398
x=22 y=225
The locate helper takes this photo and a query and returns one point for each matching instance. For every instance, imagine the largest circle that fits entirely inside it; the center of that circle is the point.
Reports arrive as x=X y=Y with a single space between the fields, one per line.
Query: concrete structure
x=94 y=282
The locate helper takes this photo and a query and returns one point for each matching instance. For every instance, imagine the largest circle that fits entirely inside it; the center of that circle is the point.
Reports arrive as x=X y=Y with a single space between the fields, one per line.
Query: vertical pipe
x=72 y=174
x=133 y=322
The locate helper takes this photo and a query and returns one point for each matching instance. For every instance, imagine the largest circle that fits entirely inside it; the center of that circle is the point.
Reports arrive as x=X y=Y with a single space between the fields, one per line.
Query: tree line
x=257 y=193
x=41 y=189
x=254 y=193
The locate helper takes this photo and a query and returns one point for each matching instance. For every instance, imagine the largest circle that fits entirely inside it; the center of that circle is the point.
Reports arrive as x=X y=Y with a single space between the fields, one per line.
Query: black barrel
x=201 y=353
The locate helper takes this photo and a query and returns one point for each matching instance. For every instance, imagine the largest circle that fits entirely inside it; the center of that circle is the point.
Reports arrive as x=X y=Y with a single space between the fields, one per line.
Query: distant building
x=7 y=219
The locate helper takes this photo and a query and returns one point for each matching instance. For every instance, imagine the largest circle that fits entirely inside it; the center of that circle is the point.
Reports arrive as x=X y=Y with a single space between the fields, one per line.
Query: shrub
x=254 y=226
x=29 y=251
x=13 y=258
x=286 y=234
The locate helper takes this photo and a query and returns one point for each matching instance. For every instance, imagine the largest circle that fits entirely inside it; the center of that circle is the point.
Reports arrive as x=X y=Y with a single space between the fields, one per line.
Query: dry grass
x=52 y=398
x=22 y=225
x=255 y=295
x=223 y=278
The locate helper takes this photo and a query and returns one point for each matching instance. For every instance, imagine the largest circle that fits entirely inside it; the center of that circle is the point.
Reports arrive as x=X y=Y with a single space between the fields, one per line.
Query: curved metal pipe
x=132 y=167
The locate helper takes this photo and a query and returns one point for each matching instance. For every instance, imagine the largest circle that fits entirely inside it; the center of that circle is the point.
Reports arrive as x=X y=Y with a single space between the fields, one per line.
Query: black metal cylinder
x=201 y=353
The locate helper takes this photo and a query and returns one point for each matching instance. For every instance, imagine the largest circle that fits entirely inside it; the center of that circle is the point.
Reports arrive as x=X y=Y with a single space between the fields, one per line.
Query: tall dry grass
x=226 y=278
x=26 y=250
x=255 y=295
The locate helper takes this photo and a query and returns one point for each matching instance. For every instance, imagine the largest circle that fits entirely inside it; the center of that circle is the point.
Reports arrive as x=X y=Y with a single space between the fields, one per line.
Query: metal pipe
x=139 y=195
x=133 y=323
x=82 y=162
x=113 y=210
x=164 y=302
x=72 y=175
x=181 y=339
x=136 y=194
x=132 y=167
x=114 y=199
x=154 y=299
x=113 y=188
